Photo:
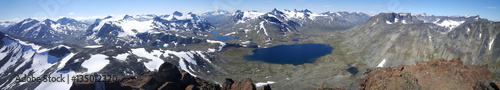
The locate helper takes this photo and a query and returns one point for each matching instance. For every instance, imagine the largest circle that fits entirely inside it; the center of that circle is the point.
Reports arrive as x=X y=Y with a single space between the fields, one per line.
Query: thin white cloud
x=71 y=13
x=12 y=20
x=492 y=7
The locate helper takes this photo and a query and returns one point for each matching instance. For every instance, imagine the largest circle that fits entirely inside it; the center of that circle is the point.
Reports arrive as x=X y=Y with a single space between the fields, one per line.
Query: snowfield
x=95 y=63
x=449 y=24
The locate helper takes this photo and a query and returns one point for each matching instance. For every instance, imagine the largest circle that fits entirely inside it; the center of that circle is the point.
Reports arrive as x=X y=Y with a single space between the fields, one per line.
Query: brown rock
x=246 y=84
x=227 y=84
x=144 y=81
x=167 y=78
x=206 y=85
x=435 y=74
x=191 y=87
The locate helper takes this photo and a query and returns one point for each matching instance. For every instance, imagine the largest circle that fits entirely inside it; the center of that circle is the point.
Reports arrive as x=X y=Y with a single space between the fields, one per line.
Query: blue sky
x=90 y=9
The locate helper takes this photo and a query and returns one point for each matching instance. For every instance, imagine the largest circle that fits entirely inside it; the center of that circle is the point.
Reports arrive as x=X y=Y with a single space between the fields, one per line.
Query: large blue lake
x=225 y=38
x=295 y=54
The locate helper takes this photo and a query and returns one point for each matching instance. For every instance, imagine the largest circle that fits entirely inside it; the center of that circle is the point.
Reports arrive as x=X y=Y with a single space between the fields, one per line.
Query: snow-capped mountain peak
x=216 y=12
x=242 y=16
x=6 y=24
x=128 y=29
x=46 y=30
x=446 y=24
x=66 y=20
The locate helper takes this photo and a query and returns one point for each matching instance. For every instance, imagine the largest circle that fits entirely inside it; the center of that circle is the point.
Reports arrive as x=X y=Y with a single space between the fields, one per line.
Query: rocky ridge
x=435 y=74
x=168 y=77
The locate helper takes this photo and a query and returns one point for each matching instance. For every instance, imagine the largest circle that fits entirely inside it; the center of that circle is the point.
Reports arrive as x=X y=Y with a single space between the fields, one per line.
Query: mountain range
x=211 y=45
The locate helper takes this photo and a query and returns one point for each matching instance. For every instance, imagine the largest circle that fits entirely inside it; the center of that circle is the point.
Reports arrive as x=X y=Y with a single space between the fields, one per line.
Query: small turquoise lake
x=295 y=54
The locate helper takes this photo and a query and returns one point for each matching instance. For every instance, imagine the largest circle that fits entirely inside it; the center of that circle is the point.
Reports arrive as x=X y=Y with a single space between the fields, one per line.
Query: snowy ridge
x=19 y=54
x=6 y=24
x=302 y=14
x=217 y=12
x=445 y=24
x=40 y=62
x=45 y=30
x=252 y=14
x=140 y=30
x=449 y=23
x=243 y=16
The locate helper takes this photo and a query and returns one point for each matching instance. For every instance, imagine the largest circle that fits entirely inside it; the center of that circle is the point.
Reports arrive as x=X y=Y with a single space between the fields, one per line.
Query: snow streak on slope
x=262 y=27
x=388 y=22
x=260 y=84
x=381 y=64
x=491 y=43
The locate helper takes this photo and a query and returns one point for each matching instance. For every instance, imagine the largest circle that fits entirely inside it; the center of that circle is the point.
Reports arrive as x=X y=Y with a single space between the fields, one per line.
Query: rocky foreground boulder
x=438 y=74
x=168 y=77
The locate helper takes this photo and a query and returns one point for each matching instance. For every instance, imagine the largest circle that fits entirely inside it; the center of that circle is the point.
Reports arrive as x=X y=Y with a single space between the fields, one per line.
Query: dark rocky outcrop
x=435 y=74
x=170 y=86
x=227 y=84
x=266 y=87
x=169 y=72
x=167 y=78
x=245 y=84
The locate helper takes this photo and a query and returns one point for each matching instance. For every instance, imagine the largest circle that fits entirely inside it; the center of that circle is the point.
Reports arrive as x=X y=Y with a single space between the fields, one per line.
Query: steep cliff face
x=404 y=39
x=435 y=74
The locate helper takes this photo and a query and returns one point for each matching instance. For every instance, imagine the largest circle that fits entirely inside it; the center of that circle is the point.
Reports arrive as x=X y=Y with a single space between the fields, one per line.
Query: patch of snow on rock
x=122 y=57
x=260 y=84
x=94 y=46
x=381 y=64
x=491 y=43
x=95 y=63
